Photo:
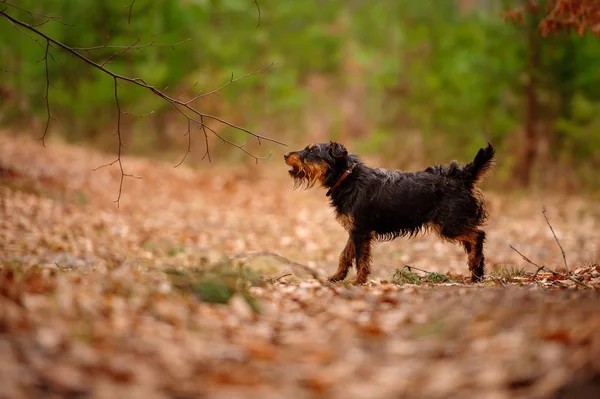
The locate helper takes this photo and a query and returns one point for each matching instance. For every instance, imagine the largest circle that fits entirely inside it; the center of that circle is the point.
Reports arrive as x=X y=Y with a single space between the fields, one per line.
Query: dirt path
x=86 y=308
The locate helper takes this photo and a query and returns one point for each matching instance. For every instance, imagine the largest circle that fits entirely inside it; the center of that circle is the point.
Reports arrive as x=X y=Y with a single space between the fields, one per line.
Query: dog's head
x=312 y=164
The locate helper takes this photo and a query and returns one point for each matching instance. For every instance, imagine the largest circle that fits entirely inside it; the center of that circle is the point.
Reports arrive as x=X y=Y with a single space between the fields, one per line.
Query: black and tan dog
x=379 y=204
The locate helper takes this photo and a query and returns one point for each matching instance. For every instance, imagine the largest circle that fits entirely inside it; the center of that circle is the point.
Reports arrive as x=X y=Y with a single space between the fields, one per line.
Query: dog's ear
x=337 y=151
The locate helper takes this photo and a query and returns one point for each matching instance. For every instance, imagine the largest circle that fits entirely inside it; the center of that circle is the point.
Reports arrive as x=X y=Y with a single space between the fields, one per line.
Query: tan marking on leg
x=345 y=262
x=469 y=242
x=364 y=264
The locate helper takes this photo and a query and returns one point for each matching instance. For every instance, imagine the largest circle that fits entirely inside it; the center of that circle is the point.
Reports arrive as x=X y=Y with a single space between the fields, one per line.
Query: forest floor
x=209 y=283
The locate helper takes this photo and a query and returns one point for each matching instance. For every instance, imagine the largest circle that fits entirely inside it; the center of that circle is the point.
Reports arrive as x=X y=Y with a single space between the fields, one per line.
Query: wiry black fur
x=375 y=203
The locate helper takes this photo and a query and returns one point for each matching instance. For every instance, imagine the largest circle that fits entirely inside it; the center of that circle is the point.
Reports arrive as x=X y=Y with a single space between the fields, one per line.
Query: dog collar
x=341 y=179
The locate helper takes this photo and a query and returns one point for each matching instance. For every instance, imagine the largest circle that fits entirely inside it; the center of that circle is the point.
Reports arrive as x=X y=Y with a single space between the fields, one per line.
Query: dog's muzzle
x=296 y=169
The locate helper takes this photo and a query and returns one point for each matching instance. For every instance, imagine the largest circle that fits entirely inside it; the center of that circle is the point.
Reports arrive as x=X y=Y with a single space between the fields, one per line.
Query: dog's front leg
x=346 y=258
x=362 y=246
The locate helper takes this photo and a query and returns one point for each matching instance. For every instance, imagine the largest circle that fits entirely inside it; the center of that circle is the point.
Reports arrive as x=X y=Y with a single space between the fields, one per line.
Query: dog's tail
x=482 y=163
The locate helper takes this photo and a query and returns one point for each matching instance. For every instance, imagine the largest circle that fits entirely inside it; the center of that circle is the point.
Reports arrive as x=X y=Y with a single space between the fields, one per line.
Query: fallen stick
x=276 y=279
x=556 y=238
x=544 y=268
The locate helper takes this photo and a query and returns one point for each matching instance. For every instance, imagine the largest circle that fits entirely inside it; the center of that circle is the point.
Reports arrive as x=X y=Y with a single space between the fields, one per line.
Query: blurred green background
x=411 y=82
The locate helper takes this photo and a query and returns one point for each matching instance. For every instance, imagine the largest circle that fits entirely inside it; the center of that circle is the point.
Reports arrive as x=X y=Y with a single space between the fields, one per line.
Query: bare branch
x=544 y=268
x=118 y=53
x=105 y=165
x=207 y=153
x=230 y=81
x=258 y=8
x=137 y=81
x=526 y=259
x=187 y=91
x=46 y=97
x=189 y=147
x=203 y=126
x=238 y=146
x=130 y=9
x=276 y=279
x=556 y=238
x=22 y=32
x=182 y=106
x=37 y=14
x=121 y=145
x=138 y=115
x=123 y=174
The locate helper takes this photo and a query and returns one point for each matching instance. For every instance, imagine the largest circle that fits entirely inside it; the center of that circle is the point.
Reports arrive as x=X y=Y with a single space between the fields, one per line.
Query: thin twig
x=556 y=238
x=118 y=53
x=409 y=268
x=46 y=98
x=539 y=269
x=204 y=128
x=258 y=8
x=525 y=258
x=230 y=81
x=141 y=116
x=121 y=145
x=37 y=14
x=136 y=47
x=22 y=32
x=207 y=153
x=276 y=279
x=544 y=268
x=187 y=91
x=291 y=263
x=189 y=147
x=130 y=9
x=120 y=140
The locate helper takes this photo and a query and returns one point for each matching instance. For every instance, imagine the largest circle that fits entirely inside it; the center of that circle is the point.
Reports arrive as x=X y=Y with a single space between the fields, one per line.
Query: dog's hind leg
x=472 y=240
x=473 y=244
x=345 y=263
x=362 y=246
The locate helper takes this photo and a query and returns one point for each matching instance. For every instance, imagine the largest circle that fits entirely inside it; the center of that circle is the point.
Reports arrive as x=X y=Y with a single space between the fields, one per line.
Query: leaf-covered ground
x=207 y=283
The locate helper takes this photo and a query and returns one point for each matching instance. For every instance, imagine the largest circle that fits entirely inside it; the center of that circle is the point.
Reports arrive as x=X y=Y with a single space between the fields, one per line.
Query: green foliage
x=217 y=283
x=434 y=277
x=407 y=276
x=508 y=274
x=452 y=76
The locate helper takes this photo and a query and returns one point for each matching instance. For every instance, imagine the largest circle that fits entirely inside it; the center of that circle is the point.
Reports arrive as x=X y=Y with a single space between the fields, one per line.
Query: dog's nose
x=285 y=156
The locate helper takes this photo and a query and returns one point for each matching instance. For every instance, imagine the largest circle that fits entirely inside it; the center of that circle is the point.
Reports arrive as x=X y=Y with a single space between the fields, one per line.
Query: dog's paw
x=359 y=281
x=335 y=278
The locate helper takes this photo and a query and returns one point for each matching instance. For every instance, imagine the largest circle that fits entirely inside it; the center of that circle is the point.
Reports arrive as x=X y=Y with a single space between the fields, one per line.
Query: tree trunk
x=524 y=165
